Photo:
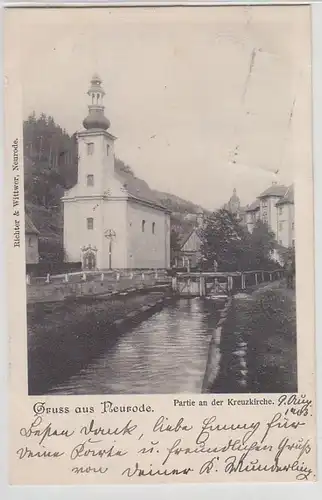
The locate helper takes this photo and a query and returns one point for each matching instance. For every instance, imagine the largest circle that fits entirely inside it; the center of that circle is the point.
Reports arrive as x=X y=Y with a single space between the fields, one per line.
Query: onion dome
x=96 y=118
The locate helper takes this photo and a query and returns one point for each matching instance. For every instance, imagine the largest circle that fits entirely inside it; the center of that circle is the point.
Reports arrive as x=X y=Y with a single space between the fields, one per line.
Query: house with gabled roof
x=267 y=205
x=275 y=207
x=31 y=241
x=189 y=254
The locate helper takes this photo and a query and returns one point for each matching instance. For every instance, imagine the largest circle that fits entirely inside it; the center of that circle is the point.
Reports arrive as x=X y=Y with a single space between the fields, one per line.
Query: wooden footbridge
x=194 y=284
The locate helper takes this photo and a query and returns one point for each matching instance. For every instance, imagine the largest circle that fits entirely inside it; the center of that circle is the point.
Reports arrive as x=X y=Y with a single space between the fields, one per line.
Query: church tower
x=95 y=145
x=234 y=203
x=94 y=208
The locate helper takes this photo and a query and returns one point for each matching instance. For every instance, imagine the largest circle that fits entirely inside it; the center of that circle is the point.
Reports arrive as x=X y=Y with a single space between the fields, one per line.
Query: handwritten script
x=193 y=441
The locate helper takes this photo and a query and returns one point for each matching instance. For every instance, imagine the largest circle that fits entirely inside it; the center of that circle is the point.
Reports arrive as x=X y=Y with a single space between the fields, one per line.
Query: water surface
x=166 y=353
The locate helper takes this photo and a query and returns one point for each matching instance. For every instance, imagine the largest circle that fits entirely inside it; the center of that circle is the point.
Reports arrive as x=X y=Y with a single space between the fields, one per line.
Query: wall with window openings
x=86 y=223
x=142 y=234
x=82 y=227
x=268 y=212
x=95 y=165
x=148 y=237
x=285 y=224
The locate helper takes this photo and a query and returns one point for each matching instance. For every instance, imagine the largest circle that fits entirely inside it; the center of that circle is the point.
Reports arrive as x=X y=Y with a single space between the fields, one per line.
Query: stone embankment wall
x=64 y=336
x=214 y=362
x=58 y=288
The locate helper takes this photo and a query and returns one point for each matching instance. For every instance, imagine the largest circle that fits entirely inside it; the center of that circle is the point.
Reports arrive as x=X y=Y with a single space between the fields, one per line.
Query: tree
x=174 y=243
x=223 y=240
x=51 y=251
x=262 y=243
x=50 y=160
x=287 y=254
x=122 y=167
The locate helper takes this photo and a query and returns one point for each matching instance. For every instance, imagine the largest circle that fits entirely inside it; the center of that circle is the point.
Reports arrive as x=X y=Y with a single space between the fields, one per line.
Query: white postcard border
x=233 y=489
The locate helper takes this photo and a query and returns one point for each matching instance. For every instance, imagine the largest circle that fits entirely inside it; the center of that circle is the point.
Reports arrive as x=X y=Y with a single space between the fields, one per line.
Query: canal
x=167 y=353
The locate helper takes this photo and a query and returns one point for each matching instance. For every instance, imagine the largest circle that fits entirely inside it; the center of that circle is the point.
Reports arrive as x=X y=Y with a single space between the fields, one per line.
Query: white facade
x=275 y=207
x=148 y=237
x=105 y=226
x=268 y=212
x=286 y=228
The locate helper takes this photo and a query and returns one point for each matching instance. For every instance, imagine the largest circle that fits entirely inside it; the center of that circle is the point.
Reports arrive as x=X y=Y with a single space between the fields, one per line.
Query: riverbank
x=64 y=336
x=258 y=343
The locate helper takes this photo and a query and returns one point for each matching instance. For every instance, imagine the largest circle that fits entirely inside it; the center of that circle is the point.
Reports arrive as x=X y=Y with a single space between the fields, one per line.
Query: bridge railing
x=227 y=282
x=115 y=275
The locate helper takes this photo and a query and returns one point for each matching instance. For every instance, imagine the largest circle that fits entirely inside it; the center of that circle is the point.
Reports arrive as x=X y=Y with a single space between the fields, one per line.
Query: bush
x=44 y=268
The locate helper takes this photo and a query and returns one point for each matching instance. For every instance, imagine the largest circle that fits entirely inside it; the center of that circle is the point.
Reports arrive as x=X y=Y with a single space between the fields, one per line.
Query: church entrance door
x=89 y=258
x=90 y=261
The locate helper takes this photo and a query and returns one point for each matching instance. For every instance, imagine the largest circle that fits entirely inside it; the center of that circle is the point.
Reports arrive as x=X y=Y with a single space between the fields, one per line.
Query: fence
x=93 y=276
x=209 y=283
x=58 y=287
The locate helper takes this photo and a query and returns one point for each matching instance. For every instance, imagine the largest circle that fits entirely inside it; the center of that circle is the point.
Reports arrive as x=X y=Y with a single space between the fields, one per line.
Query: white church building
x=111 y=220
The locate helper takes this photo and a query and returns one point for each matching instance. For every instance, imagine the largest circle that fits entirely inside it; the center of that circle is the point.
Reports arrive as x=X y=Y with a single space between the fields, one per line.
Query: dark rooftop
x=30 y=228
x=137 y=188
x=253 y=206
x=274 y=190
x=184 y=237
x=288 y=196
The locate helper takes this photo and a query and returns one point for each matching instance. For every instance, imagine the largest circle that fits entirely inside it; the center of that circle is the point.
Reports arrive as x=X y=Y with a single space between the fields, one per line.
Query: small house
x=31 y=241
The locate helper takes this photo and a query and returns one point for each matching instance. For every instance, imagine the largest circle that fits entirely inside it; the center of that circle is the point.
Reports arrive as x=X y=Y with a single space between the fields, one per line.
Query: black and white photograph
x=160 y=162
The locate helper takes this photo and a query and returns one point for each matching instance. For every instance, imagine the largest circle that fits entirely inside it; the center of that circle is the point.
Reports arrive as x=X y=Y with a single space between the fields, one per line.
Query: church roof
x=288 y=196
x=253 y=206
x=274 y=190
x=30 y=228
x=138 y=189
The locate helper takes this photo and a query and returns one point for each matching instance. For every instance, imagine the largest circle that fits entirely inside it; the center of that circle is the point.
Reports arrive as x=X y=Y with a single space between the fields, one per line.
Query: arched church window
x=107 y=149
x=90 y=180
x=97 y=98
x=90 y=148
x=143 y=226
x=90 y=223
x=30 y=242
x=153 y=227
x=93 y=97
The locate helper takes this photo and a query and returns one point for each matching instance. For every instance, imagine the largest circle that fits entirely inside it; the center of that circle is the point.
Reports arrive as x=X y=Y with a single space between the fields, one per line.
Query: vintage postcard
x=159 y=199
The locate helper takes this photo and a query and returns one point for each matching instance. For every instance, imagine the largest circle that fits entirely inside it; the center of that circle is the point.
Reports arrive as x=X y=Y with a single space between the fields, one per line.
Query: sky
x=202 y=100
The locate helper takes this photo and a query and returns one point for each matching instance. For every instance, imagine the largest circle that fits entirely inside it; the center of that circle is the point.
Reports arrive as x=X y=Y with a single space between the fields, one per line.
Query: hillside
x=50 y=167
